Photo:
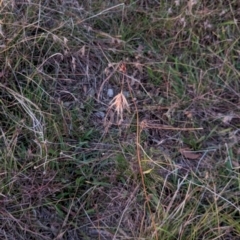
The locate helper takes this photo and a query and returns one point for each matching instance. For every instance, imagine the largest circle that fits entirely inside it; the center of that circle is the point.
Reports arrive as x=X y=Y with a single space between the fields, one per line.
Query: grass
x=157 y=160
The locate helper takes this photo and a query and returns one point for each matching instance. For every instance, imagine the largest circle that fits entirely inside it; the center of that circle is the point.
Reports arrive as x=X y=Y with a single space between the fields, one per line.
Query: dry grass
x=157 y=160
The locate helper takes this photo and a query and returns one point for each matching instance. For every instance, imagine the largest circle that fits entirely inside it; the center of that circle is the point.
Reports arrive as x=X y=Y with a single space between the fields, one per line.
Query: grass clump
x=119 y=120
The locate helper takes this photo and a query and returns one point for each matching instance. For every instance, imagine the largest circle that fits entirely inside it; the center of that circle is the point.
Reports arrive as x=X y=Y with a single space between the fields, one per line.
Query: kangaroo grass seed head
x=119 y=103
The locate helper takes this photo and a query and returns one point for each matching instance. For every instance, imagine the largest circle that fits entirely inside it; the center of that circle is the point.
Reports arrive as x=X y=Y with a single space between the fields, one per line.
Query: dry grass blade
x=152 y=125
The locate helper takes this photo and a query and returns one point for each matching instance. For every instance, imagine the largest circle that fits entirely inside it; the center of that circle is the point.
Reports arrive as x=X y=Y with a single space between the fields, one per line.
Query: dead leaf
x=187 y=153
x=188 y=114
x=147 y=171
x=227 y=119
x=235 y=164
x=123 y=68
